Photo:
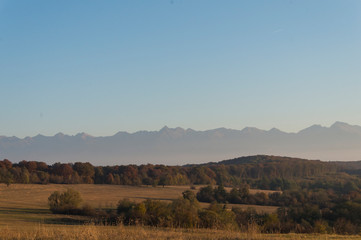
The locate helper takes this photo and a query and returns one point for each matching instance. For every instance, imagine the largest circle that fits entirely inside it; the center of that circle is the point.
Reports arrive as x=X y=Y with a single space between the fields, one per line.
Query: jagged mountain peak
x=172 y=132
x=83 y=135
x=313 y=129
x=121 y=133
x=340 y=125
x=276 y=131
x=39 y=136
x=190 y=130
x=252 y=130
x=345 y=127
x=340 y=141
x=167 y=129
x=59 y=135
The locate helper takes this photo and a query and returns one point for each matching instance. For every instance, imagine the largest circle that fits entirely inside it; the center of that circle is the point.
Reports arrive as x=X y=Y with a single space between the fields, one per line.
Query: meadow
x=24 y=214
x=130 y=232
x=35 y=196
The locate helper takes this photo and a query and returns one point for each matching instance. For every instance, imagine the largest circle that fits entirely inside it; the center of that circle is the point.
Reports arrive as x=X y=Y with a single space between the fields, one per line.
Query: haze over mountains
x=178 y=146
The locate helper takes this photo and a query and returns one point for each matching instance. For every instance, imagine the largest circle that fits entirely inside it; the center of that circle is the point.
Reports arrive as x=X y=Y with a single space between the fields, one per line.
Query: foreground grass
x=108 y=232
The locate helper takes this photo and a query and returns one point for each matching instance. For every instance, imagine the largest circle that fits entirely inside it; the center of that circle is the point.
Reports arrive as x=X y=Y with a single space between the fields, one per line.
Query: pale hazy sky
x=106 y=66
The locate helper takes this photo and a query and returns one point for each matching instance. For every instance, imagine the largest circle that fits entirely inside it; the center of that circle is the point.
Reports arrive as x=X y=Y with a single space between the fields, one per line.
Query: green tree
x=138 y=213
x=158 y=213
x=190 y=195
x=271 y=223
x=85 y=170
x=185 y=212
x=206 y=194
x=220 y=194
x=124 y=209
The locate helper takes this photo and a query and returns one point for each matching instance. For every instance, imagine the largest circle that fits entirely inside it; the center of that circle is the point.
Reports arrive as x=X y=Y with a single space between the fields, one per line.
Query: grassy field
x=33 y=196
x=130 y=233
x=26 y=204
x=24 y=214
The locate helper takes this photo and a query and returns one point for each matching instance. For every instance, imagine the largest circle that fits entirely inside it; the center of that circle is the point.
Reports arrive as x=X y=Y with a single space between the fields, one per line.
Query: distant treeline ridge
x=265 y=172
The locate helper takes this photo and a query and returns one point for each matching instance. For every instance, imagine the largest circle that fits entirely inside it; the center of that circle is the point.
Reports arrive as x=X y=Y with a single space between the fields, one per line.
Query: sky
x=106 y=66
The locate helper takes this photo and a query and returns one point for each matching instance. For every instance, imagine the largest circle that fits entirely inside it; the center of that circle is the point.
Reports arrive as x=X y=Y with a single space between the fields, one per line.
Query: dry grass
x=106 y=232
x=24 y=214
x=33 y=196
x=26 y=204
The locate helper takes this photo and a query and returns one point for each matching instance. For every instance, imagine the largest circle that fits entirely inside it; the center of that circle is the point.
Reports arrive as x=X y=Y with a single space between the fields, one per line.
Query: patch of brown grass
x=22 y=204
x=34 y=196
x=24 y=214
x=41 y=232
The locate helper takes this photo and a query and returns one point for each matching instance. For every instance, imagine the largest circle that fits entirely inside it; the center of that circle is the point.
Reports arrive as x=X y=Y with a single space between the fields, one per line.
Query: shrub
x=190 y=196
x=206 y=194
x=157 y=213
x=125 y=210
x=88 y=210
x=343 y=226
x=321 y=227
x=185 y=212
x=216 y=216
x=271 y=224
x=66 y=203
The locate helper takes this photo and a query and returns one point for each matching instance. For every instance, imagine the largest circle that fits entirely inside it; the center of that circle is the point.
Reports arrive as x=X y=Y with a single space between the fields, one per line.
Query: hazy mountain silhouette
x=178 y=146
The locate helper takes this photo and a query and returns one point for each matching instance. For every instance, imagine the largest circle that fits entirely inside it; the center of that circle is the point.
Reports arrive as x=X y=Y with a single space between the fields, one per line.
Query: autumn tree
x=67 y=202
x=85 y=170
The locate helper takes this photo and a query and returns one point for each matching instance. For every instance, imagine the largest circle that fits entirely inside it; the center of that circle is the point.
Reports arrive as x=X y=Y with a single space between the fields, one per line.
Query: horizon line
x=184 y=129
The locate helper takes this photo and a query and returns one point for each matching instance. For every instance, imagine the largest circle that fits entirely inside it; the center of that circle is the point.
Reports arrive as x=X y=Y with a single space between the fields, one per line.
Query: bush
x=209 y=219
x=216 y=216
x=343 y=226
x=321 y=227
x=190 y=196
x=185 y=212
x=157 y=213
x=271 y=224
x=88 y=210
x=125 y=210
x=206 y=194
x=65 y=203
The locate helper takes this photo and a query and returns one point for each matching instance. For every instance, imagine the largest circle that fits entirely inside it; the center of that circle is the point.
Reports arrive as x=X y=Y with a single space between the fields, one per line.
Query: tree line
x=270 y=173
x=299 y=212
x=303 y=210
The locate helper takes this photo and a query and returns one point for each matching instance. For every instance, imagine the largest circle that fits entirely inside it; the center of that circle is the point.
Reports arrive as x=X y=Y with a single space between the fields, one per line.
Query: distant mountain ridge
x=178 y=146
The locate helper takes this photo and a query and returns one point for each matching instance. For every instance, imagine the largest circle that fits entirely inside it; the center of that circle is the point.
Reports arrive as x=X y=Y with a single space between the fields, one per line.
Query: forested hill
x=259 y=159
x=265 y=166
x=261 y=171
x=349 y=165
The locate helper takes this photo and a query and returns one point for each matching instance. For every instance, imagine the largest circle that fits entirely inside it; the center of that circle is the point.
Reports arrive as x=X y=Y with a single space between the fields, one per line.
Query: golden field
x=24 y=214
x=35 y=196
x=132 y=233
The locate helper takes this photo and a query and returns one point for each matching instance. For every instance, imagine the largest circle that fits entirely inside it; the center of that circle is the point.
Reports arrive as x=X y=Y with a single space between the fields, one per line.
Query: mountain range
x=178 y=146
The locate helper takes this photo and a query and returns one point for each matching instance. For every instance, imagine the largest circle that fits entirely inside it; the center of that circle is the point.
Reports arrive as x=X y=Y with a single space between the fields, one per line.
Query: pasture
x=24 y=214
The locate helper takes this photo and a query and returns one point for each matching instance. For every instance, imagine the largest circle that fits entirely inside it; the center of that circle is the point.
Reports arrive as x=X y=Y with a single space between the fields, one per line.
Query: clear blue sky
x=106 y=66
